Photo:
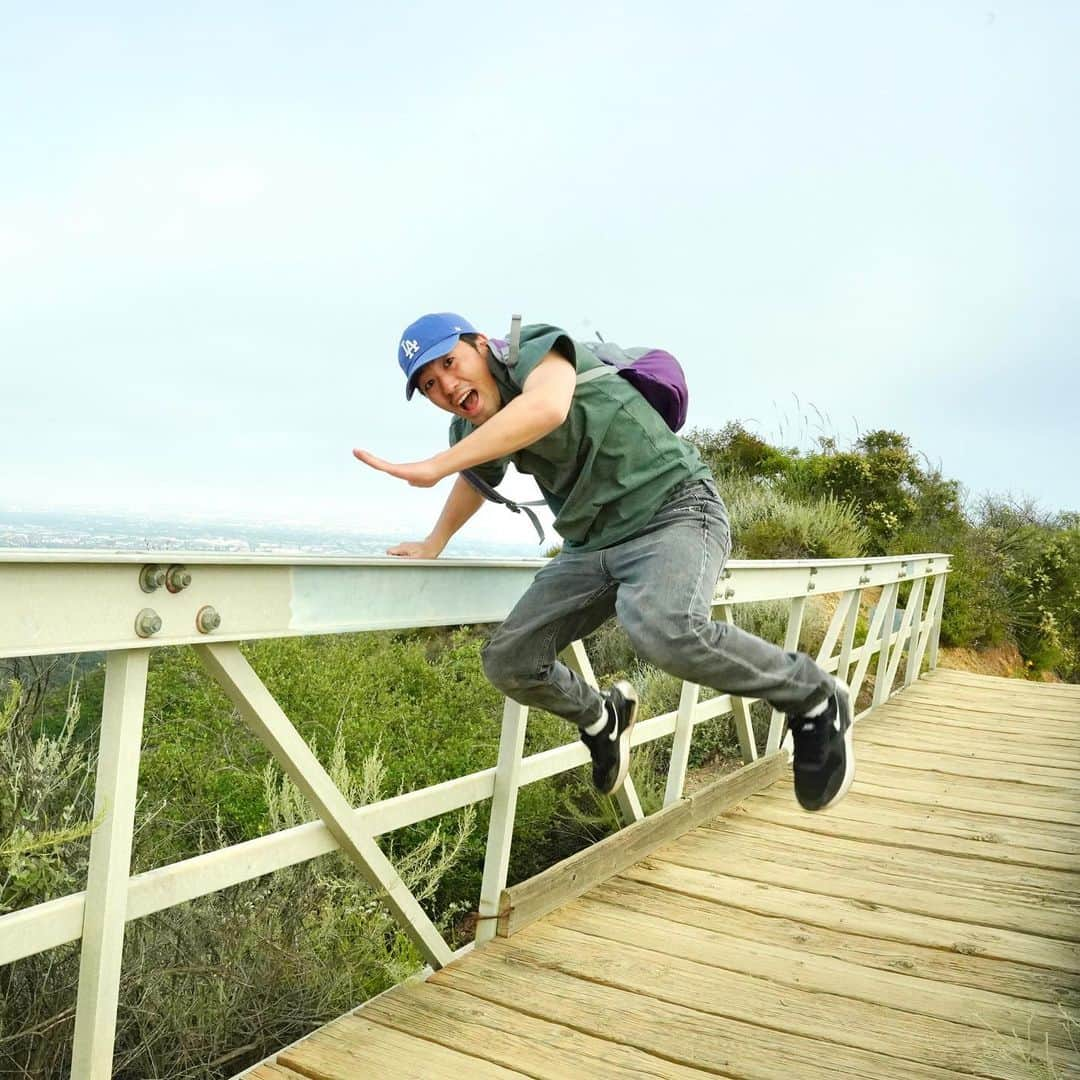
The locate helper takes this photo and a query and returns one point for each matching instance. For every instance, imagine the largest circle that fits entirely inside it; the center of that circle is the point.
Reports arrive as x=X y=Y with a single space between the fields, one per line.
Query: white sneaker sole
x=849 y=755
x=630 y=694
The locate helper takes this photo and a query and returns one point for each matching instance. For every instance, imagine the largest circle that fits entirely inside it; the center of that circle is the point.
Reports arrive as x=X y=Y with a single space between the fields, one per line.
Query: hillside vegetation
x=220 y=982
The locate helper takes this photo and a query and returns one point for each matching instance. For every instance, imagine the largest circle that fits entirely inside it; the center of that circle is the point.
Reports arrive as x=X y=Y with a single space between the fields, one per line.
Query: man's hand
x=418 y=473
x=416 y=549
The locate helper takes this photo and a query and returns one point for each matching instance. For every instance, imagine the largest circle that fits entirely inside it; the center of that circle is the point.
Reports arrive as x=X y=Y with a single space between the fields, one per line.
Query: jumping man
x=645 y=538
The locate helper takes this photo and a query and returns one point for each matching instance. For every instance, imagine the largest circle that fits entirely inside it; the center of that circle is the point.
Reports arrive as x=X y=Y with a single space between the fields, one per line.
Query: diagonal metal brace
x=266 y=719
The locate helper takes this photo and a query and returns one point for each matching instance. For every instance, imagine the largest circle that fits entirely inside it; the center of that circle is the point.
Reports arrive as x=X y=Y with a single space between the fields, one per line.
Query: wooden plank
x=976 y=677
x=968 y=989
x=531 y=899
x=1043 y=714
x=982 y=846
x=693 y=969
x=270 y=1070
x=995 y=794
x=1018 y=691
x=976 y=724
x=790 y=839
x=937 y=762
x=352 y=1047
x=1021 y=712
x=988 y=723
x=853 y=880
x=997 y=683
x=501 y=1034
x=1001 y=827
x=1007 y=709
x=927 y=737
x=856 y=914
x=687 y=1035
x=1048 y=896
x=963 y=722
x=874 y=784
x=954 y=682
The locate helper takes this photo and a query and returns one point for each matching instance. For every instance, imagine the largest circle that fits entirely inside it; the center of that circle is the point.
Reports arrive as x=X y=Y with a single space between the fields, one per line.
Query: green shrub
x=1040 y=569
x=46 y=803
x=734 y=450
x=767 y=524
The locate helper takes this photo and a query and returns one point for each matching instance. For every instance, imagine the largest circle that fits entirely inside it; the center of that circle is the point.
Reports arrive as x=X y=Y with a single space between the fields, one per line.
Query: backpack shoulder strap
x=515 y=339
x=484 y=488
x=492 y=495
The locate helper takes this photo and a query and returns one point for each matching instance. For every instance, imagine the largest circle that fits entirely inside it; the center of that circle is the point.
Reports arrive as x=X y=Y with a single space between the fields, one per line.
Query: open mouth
x=470 y=403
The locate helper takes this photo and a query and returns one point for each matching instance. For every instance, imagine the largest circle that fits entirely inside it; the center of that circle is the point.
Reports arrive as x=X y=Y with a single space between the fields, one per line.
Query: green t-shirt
x=609 y=466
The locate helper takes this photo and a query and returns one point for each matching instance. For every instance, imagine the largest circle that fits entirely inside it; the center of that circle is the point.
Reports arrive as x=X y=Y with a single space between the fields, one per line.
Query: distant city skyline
x=98 y=532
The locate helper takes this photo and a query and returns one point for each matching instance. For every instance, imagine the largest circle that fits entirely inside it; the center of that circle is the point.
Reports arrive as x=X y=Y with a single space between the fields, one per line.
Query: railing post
x=906 y=633
x=627 y=797
x=873 y=632
x=105 y=914
x=931 y=608
x=501 y=826
x=265 y=717
x=852 y=620
x=740 y=711
x=791 y=643
x=888 y=598
x=938 y=602
x=836 y=624
x=917 y=632
x=680 y=745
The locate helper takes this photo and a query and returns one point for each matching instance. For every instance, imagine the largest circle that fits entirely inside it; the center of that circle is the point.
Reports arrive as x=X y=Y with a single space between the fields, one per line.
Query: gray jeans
x=659 y=584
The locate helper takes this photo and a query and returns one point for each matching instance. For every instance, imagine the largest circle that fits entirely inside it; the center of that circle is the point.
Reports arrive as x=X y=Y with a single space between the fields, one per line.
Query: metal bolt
x=151 y=577
x=177 y=578
x=864 y=580
x=725 y=575
x=813 y=570
x=207 y=620
x=811 y=587
x=729 y=593
x=147 y=622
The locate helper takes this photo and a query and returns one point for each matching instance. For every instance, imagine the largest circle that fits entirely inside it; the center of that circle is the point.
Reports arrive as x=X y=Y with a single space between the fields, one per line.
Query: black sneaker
x=824 y=754
x=610 y=747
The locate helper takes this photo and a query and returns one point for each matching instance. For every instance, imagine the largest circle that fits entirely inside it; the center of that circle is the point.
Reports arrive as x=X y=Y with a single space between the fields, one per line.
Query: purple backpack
x=654 y=373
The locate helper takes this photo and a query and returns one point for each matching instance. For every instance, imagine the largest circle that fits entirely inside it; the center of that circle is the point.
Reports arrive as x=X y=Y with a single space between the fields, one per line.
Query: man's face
x=461 y=383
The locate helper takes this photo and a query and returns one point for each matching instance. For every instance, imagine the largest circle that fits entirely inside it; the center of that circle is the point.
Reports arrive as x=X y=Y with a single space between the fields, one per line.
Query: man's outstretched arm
x=464 y=500
x=539 y=409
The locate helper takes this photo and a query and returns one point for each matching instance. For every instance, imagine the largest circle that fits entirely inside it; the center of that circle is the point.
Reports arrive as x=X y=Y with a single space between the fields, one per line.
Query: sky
x=216 y=219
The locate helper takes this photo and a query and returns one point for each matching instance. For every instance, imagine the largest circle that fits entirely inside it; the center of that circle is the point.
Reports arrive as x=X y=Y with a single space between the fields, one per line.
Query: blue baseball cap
x=430 y=337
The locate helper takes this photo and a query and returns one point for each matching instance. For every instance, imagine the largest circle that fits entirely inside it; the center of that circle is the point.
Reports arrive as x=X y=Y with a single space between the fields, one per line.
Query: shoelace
x=811 y=737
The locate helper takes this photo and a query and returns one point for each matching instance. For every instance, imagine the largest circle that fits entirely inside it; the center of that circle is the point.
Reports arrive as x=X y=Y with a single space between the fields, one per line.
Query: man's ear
x=481 y=343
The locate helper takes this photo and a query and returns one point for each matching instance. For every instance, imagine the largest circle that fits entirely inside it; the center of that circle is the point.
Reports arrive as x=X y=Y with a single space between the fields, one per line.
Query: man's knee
x=503 y=668
x=673 y=647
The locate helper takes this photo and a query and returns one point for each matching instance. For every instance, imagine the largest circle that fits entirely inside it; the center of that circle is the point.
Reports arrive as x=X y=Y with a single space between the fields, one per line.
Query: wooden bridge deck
x=927 y=926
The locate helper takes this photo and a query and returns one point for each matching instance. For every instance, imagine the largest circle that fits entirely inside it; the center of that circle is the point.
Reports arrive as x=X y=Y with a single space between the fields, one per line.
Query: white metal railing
x=65 y=602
